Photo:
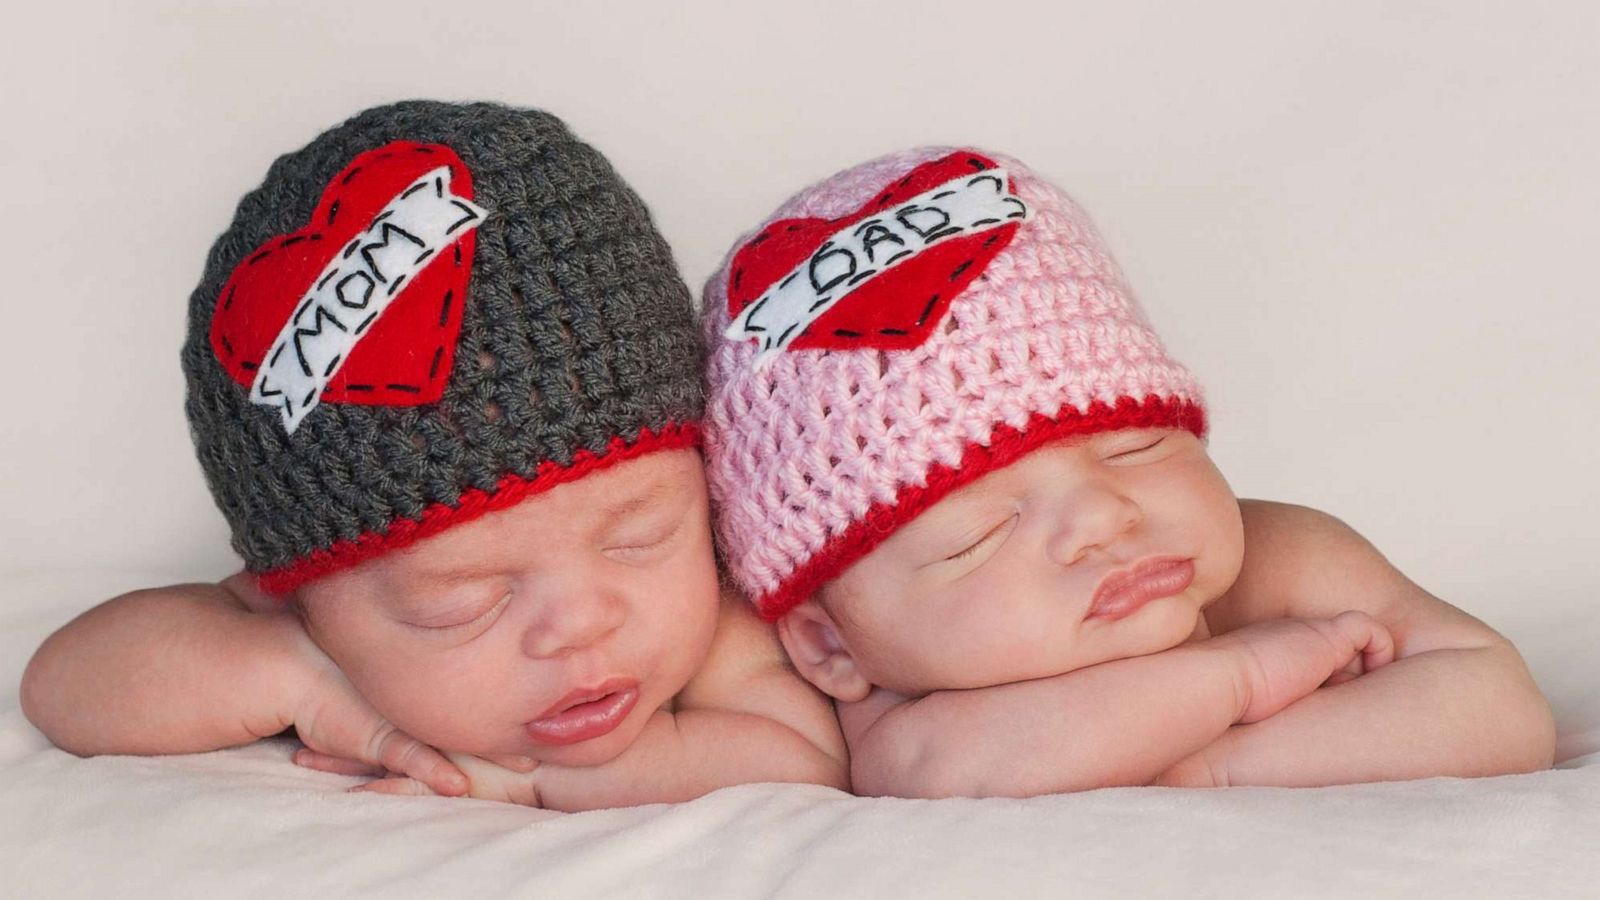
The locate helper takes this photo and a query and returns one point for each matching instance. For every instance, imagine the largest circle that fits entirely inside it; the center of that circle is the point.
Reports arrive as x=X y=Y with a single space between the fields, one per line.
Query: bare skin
x=464 y=641
x=1295 y=655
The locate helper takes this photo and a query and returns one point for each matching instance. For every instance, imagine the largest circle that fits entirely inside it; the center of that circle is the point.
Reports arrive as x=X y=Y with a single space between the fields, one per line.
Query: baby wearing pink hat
x=951 y=459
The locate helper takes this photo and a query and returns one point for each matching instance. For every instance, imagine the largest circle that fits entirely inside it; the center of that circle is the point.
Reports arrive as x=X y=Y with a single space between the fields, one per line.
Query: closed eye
x=979 y=544
x=1149 y=446
x=478 y=619
x=646 y=545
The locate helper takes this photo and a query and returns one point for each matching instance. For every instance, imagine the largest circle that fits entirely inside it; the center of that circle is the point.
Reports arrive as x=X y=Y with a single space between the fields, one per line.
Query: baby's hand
x=343 y=734
x=506 y=779
x=1284 y=660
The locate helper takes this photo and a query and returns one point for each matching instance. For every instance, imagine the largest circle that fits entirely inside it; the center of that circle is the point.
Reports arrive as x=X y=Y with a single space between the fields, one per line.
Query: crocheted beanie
x=430 y=311
x=897 y=331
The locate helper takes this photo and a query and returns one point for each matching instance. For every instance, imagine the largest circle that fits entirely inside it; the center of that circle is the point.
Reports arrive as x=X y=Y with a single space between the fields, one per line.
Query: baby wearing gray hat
x=444 y=383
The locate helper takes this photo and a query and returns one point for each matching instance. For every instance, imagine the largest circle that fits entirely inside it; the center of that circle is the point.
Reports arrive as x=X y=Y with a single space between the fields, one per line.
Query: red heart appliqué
x=405 y=358
x=900 y=308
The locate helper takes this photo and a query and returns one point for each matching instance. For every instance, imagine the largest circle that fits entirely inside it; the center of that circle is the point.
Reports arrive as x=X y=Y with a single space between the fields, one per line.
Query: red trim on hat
x=508 y=491
x=1006 y=445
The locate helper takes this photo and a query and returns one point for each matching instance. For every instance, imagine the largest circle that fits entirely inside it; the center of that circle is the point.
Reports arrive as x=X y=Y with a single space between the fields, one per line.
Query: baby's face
x=998 y=582
x=486 y=638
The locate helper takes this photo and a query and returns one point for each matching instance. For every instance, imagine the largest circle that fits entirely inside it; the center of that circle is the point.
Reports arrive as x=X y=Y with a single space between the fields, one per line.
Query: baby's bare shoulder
x=747 y=671
x=1301 y=562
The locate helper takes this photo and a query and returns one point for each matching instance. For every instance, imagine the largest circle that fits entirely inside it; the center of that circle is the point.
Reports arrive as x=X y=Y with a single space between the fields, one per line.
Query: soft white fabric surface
x=248 y=823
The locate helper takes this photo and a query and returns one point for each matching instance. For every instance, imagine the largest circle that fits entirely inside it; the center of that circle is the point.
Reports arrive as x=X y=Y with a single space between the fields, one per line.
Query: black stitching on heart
x=959 y=269
x=794 y=227
x=275 y=354
x=384 y=155
x=325 y=279
x=332 y=364
x=228 y=301
x=892 y=331
x=422 y=256
x=258 y=257
x=890 y=260
x=428 y=150
x=738 y=275
x=992 y=238
x=906 y=180
x=785 y=283
x=926 y=310
x=358 y=387
x=349 y=175
x=444 y=308
x=247 y=365
x=757 y=308
x=291 y=241
x=227 y=345
x=845 y=333
x=786 y=331
x=365 y=322
x=469 y=217
x=458 y=254
x=333 y=211
x=943 y=233
x=419 y=186
x=408 y=388
x=354 y=245
x=758 y=239
x=317 y=236
x=861 y=277
x=433 y=367
x=381 y=216
x=976 y=163
x=820 y=303
x=395 y=287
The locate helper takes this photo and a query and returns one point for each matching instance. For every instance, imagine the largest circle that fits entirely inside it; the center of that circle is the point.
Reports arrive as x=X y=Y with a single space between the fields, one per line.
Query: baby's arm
x=1458 y=700
x=745 y=717
x=1116 y=723
x=197 y=667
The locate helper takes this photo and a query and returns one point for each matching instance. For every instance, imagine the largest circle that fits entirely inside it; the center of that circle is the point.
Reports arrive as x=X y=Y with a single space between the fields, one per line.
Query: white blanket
x=246 y=822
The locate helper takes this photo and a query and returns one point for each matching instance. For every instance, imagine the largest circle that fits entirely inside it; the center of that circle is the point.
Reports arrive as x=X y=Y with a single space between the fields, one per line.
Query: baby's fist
x=1283 y=660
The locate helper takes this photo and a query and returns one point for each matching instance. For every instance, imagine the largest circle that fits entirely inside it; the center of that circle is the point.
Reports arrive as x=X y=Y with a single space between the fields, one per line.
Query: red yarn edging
x=474 y=502
x=1006 y=445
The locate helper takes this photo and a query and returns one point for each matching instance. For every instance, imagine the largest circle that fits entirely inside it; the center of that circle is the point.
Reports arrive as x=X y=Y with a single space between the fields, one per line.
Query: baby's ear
x=811 y=639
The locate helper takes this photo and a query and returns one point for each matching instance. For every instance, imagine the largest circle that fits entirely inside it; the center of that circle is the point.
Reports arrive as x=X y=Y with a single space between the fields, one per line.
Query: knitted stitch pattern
x=815 y=456
x=577 y=348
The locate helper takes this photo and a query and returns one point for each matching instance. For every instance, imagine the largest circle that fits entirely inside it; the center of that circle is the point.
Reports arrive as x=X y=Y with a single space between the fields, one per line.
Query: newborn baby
x=445 y=386
x=953 y=461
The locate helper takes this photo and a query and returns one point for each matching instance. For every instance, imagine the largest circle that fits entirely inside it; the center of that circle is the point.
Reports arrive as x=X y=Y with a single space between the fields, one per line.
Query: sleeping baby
x=444 y=382
x=951 y=459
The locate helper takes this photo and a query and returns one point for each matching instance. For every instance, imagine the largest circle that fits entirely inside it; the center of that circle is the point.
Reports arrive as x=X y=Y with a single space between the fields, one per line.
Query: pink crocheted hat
x=897 y=331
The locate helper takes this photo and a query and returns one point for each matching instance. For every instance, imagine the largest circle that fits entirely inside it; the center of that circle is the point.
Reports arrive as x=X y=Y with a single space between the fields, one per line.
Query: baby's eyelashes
x=984 y=543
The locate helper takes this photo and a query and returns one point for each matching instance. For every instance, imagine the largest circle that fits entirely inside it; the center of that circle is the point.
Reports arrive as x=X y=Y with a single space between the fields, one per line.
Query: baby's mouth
x=586 y=713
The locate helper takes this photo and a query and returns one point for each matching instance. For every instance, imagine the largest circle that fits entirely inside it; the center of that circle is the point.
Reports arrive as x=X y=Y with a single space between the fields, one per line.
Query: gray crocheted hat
x=431 y=311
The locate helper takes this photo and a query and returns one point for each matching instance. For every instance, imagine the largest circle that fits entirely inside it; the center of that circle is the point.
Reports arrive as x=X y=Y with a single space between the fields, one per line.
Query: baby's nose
x=566 y=626
x=1091 y=519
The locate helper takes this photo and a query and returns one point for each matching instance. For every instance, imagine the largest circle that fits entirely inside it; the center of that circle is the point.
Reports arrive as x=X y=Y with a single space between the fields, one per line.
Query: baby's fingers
x=398 y=786
x=338 y=765
x=405 y=755
x=1371 y=638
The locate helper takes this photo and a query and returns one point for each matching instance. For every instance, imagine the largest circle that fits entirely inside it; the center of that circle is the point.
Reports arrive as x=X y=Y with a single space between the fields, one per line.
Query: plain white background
x=1369 y=227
